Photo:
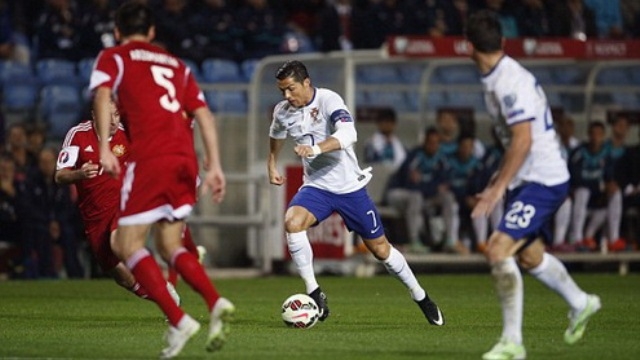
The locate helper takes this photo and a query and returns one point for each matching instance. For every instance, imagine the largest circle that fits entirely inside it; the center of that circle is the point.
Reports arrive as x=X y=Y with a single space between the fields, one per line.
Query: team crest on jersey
x=314 y=114
x=63 y=157
x=509 y=100
x=118 y=150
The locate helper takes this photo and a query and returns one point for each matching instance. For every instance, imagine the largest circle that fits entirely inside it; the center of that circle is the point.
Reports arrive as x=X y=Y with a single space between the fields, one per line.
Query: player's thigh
x=129 y=239
x=360 y=214
x=529 y=210
x=168 y=236
x=501 y=246
x=308 y=207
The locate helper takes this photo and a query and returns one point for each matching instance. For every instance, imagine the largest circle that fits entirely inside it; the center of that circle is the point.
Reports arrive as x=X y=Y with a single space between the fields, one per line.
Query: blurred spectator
x=506 y=15
x=390 y=17
x=263 y=29
x=36 y=139
x=17 y=147
x=448 y=128
x=335 y=26
x=616 y=149
x=591 y=168
x=10 y=47
x=172 y=31
x=384 y=147
x=216 y=31
x=419 y=188
x=10 y=224
x=533 y=18
x=96 y=27
x=47 y=215
x=490 y=164
x=565 y=128
x=427 y=17
x=627 y=174
x=581 y=22
x=464 y=169
x=608 y=17
x=57 y=31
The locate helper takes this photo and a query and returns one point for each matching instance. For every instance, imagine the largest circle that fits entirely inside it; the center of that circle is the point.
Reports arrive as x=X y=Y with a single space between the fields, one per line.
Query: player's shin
x=396 y=265
x=302 y=255
x=508 y=282
x=555 y=276
x=187 y=265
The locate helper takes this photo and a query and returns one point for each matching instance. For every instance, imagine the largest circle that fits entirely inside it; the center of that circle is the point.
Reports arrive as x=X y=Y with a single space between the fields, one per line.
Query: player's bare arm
x=88 y=170
x=275 y=145
x=214 y=179
x=102 y=113
x=513 y=159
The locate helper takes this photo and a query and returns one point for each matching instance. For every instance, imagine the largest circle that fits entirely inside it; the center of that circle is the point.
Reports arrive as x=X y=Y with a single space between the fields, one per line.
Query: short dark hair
x=134 y=18
x=597 y=124
x=387 y=114
x=484 y=32
x=292 y=69
x=430 y=131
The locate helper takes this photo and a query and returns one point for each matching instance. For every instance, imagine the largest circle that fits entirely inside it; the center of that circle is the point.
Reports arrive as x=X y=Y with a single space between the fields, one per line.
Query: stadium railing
x=571 y=84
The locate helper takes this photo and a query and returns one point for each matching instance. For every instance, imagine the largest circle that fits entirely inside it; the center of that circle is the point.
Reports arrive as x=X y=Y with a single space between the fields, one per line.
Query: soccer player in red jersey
x=157 y=97
x=99 y=194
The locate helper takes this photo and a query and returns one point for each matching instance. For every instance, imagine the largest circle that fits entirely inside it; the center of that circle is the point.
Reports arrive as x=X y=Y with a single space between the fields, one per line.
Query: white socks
x=554 y=275
x=397 y=266
x=614 y=216
x=302 y=255
x=508 y=282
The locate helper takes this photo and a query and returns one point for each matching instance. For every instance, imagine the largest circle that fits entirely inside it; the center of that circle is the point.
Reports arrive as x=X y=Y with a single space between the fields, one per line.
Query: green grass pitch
x=371 y=318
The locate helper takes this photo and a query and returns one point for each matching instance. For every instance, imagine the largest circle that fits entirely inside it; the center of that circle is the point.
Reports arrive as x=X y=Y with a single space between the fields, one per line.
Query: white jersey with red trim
x=513 y=95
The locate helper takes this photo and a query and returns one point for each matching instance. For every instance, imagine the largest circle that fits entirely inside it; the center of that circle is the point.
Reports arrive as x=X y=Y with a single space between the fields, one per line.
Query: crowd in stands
x=433 y=185
x=39 y=231
x=249 y=29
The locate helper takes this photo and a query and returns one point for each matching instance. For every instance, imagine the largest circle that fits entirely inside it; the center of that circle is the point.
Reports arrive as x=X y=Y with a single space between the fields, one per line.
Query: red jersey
x=100 y=195
x=156 y=94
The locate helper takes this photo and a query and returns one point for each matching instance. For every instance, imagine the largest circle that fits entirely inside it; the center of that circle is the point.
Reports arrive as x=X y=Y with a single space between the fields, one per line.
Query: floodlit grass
x=370 y=319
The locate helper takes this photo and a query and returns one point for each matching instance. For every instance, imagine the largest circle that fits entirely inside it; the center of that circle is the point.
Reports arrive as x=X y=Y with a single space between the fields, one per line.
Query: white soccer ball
x=300 y=311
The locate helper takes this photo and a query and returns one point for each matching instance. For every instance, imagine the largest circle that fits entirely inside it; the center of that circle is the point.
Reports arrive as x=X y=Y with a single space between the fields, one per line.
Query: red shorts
x=98 y=233
x=158 y=188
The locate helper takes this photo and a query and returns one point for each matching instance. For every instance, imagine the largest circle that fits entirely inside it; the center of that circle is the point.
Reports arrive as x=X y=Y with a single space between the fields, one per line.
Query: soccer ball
x=300 y=311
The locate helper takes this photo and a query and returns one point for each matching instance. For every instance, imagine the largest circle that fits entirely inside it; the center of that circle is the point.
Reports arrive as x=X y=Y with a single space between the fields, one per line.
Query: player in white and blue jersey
x=535 y=180
x=324 y=133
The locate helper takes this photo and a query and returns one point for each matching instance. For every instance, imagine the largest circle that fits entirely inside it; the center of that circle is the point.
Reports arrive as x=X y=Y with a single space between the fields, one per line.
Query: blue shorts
x=356 y=208
x=529 y=210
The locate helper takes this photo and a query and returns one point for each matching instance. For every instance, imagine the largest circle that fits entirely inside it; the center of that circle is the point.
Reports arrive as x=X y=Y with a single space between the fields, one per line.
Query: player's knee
x=294 y=224
x=380 y=247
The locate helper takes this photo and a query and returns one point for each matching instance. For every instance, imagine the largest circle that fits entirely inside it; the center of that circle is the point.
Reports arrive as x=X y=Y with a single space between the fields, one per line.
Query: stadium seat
x=543 y=74
x=570 y=75
x=57 y=71
x=19 y=96
x=377 y=74
x=227 y=101
x=456 y=74
x=614 y=76
x=195 y=69
x=467 y=99
x=85 y=66
x=60 y=107
x=411 y=73
x=437 y=99
x=626 y=100
x=14 y=72
x=248 y=67
x=221 y=71
x=394 y=99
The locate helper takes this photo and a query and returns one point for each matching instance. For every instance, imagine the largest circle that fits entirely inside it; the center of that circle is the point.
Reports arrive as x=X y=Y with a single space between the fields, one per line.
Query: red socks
x=187 y=265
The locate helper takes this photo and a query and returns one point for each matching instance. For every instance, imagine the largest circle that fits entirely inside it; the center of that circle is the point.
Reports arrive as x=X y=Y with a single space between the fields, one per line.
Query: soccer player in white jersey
x=535 y=180
x=324 y=132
